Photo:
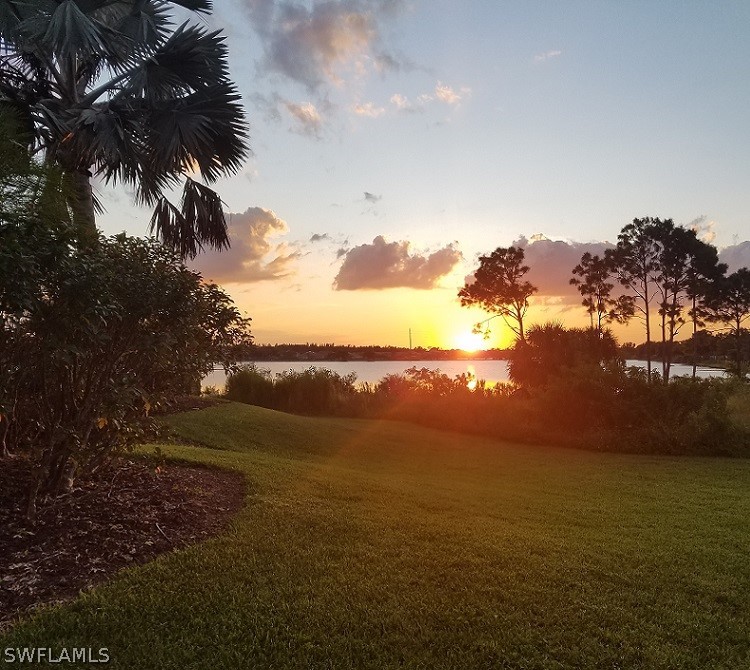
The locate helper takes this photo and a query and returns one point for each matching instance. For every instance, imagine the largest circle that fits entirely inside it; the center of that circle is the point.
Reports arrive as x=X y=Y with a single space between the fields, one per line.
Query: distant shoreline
x=316 y=353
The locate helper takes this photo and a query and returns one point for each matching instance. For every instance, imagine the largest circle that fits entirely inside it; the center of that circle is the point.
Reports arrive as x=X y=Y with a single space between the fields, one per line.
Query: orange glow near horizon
x=470 y=342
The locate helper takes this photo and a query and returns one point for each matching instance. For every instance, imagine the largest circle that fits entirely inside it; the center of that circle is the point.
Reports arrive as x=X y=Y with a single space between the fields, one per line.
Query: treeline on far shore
x=348 y=352
x=703 y=348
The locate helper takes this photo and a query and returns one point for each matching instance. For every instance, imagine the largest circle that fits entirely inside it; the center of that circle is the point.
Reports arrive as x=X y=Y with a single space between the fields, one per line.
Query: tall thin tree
x=729 y=302
x=500 y=289
x=684 y=262
x=634 y=263
x=592 y=279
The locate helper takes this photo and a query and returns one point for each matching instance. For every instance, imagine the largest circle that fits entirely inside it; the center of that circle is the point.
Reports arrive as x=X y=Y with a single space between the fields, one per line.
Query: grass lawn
x=385 y=545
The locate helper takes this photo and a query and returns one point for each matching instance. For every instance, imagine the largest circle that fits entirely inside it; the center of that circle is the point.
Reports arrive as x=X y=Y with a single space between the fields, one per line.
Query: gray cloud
x=552 y=262
x=309 y=45
x=371 y=197
x=736 y=256
x=319 y=237
x=307 y=118
x=251 y=257
x=383 y=265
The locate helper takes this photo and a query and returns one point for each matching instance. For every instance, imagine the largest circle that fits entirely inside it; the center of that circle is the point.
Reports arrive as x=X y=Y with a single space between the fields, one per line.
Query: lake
x=373 y=371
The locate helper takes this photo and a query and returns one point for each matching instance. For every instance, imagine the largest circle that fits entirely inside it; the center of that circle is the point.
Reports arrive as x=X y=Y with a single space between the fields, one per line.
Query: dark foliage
x=117 y=90
x=578 y=404
x=550 y=350
x=499 y=288
x=92 y=340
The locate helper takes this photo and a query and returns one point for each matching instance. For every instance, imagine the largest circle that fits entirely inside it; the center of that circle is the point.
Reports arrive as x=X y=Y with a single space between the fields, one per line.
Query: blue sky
x=446 y=129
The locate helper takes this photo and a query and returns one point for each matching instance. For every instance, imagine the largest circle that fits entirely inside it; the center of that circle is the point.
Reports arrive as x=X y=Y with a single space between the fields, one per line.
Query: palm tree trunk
x=81 y=201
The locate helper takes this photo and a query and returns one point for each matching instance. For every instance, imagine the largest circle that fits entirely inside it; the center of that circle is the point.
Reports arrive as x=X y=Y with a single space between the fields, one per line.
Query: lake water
x=373 y=371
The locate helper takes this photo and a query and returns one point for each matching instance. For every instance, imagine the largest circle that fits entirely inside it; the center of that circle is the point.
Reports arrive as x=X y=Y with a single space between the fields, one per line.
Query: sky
x=396 y=141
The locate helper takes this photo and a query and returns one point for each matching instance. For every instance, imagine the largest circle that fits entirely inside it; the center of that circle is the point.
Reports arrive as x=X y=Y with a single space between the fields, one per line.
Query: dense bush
x=93 y=339
x=315 y=391
x=550 y=350
x=617 y=409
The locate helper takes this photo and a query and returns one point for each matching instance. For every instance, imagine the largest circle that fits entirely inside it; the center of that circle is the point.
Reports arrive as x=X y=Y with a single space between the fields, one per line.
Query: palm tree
x=114 y=89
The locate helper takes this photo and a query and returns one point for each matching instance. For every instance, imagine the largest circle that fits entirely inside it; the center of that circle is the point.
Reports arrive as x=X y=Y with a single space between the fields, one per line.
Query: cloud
x=319 y=237
x=371 y=197
x=736 y=256
x=307 y=117
x=383 y=265
x=268 y=106
x=447 y=95
x=251 y=257
x=703 y=228
x=402 y=104
x=368 y=109
x=312 y=44
x=539 y=58
x=441 y=93
x=552 y=262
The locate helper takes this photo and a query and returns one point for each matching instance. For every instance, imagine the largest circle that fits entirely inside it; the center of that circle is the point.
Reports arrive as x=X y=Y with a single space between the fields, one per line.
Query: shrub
x=251 y=385
x=315 y=391
x=93 y=339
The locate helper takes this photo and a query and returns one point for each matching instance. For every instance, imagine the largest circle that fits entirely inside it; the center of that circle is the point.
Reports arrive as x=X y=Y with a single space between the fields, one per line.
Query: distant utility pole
x=409 y=338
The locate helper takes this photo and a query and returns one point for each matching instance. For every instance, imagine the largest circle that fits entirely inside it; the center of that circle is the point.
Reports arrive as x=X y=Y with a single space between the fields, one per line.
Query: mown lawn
x=385 y=545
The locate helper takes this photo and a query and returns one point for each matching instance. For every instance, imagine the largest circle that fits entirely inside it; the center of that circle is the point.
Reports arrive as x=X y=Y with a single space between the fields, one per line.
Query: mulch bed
x=130 y=514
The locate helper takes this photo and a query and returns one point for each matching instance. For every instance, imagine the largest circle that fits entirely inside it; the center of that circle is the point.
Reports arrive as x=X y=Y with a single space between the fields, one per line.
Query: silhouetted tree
x=499 y=288
x=728 y=302
x=591 y=279
x=684 y=263
x=551 y=348
x=703 y=272
x=113 y=89
x=634 y=262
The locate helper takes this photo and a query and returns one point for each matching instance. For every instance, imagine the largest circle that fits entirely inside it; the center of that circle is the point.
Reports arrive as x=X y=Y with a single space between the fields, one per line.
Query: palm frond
x=70 y=32
x=137 y=27
x=146 y=23
x=199 y=221
x=169 y=225
x=201 y=6
x=204 y=129
x=10 y=21
x=107 y=137
x=204 y=212
x=190 y=59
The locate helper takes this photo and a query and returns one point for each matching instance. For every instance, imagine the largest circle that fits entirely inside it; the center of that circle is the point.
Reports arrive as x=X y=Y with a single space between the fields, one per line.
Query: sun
x=469 y=342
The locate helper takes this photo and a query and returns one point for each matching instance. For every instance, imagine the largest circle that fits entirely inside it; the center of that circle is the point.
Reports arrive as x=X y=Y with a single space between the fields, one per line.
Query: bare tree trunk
x=81 y=201
x=738 y=348
x=648 y=329
x=664 y=373
x=521 y=335
x=695 y=340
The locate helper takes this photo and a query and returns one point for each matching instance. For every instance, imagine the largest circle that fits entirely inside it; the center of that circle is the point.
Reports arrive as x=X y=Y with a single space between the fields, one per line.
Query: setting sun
x=468 y=341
